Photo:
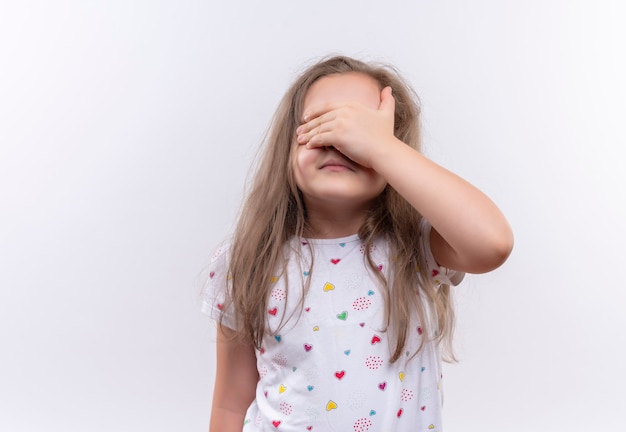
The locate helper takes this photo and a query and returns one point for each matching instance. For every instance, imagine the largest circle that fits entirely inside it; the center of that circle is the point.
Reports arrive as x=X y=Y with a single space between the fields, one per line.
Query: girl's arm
x=236 y=378
x=470 y=233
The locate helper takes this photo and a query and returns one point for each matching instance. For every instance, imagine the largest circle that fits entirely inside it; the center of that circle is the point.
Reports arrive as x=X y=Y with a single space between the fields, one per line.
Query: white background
x=126 y=131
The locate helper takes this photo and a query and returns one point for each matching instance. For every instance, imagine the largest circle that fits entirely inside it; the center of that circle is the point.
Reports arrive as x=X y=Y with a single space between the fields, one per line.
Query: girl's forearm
x=474 y=235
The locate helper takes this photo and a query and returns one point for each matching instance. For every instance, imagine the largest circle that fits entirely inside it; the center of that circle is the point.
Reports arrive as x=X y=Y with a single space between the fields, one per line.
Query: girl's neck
x=335 y=222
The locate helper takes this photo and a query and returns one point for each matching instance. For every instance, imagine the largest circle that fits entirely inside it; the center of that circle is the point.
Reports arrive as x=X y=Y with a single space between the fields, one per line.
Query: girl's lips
x=336 y=165
x=333 y=167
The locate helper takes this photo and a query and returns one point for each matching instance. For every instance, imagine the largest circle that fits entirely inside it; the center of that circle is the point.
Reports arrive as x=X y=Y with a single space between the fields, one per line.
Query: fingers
x=312 y=133
x=320 y=110
x=309 y=126
x=314 y=128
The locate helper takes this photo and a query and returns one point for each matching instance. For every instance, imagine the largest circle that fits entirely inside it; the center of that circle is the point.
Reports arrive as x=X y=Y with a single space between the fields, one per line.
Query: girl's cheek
x=298 y=161
x=304 y=156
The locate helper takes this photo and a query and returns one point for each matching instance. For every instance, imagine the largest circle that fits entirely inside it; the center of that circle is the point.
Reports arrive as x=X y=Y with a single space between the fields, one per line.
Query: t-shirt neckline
x=330 y=241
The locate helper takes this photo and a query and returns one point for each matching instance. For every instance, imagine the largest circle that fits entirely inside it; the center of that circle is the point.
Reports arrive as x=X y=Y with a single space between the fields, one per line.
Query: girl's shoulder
x=221 y=251
x=216 y=285
x=217 y=271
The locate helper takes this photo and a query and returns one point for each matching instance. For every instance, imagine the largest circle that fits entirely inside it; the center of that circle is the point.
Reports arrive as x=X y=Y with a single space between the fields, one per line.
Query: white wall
x=126 y=129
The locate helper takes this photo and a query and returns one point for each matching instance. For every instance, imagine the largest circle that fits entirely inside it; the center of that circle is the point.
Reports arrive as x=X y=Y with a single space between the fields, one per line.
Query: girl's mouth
x=335 y=164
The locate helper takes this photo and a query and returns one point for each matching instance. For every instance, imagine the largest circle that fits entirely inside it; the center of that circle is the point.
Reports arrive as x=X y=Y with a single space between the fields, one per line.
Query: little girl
x=333 y=296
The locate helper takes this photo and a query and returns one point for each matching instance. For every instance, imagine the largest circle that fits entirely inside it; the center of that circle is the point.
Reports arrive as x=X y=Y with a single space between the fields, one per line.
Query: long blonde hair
x=274 y=212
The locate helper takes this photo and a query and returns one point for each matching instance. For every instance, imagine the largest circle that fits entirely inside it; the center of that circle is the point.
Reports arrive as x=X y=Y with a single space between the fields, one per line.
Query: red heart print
x=308 y=347
x=276 y=423
x=307 y=309
x=211 y=275
x=273 y=312
x=309 y=428
x=400 y=411
x=419 y=330
x=362 y=324
x=335 y=260
x=382 y=385
x=423 y=407
x=435 y=272
x=340 y=374
x=220 y=306
x=375 y=340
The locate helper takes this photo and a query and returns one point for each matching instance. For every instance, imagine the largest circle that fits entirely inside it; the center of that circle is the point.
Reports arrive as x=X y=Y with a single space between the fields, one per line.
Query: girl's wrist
x=386 y=153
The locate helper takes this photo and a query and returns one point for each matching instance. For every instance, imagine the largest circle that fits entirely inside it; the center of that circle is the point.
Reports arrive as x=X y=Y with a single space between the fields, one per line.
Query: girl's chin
x=342 y=197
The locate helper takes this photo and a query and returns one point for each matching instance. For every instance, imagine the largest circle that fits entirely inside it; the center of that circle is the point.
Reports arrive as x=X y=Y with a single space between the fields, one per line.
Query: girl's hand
x=358 y=132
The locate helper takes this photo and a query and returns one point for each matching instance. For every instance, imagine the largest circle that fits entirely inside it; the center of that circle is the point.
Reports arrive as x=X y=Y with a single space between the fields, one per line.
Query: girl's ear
x=387 y=101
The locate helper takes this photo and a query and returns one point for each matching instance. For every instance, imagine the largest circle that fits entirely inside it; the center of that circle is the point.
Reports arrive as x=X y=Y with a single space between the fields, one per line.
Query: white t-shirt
x=327 y=368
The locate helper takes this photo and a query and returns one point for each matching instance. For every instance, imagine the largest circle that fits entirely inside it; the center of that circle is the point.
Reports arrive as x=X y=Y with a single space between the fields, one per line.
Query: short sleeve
x=217 y=288
x=440 y=275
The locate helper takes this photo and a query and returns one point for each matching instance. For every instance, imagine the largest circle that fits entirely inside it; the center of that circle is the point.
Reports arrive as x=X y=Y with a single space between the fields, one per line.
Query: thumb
x=387 y=102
